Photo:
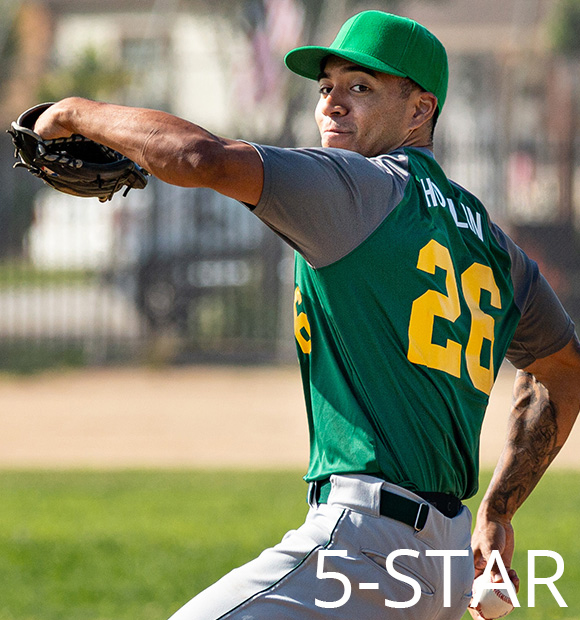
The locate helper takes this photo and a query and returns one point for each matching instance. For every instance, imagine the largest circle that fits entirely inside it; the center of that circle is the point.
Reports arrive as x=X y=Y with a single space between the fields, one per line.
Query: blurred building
x=212 y=61
x=220 y=63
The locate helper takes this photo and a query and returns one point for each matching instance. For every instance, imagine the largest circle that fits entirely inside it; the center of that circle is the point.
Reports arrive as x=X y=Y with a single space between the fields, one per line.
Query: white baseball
x=492 y=604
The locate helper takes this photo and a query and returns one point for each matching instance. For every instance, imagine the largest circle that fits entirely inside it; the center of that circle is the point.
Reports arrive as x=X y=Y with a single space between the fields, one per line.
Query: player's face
x=362 y=110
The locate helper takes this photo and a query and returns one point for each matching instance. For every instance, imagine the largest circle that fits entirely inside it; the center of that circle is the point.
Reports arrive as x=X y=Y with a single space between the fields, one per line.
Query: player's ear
x=425 y=107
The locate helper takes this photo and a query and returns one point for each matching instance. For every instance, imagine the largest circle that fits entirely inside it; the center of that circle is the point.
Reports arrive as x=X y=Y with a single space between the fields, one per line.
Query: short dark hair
x=407 y=86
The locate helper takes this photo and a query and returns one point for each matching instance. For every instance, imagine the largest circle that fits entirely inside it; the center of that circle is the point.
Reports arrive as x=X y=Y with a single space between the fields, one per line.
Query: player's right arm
x=546 y=402
x=173 y=149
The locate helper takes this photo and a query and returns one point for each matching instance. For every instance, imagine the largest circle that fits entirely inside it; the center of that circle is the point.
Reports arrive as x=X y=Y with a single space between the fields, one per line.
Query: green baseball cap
x=384 y=42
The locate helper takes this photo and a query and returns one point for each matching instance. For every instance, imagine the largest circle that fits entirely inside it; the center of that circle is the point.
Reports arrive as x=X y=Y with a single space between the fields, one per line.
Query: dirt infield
x=192 y=417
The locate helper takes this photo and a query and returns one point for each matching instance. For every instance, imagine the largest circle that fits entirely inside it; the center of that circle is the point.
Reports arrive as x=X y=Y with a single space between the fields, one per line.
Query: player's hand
x=475 y=614
x=50 y=125
x=489 y=535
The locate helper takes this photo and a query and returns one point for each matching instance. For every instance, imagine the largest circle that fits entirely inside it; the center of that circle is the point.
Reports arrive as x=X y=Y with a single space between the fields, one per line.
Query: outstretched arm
x=545 y=405
x=173 y=149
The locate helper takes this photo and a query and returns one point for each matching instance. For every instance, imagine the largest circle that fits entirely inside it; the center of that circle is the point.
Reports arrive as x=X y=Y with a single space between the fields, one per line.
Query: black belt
x=446 y=503
x=402 y=508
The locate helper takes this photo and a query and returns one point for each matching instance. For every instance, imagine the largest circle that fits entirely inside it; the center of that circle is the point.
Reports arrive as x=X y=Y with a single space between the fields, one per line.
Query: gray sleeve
x=544 y=327
x=325 y=202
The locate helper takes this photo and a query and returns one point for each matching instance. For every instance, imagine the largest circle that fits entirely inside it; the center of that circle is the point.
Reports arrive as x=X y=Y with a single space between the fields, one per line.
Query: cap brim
x=306 y=61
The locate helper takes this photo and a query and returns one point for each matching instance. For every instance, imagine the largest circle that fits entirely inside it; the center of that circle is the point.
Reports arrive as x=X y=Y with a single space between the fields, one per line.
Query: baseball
x=492 y=603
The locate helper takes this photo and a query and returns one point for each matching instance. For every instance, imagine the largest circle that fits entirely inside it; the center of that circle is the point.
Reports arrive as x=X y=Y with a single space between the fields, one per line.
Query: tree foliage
x=89 y=75
x=565 y=28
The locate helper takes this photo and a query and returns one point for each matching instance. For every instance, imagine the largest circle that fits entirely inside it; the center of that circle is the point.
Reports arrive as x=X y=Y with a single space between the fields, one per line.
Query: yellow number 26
x=447 y=358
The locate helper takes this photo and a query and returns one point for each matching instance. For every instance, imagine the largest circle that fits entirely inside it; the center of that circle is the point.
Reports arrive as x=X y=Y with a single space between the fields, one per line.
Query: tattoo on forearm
x=532 y=437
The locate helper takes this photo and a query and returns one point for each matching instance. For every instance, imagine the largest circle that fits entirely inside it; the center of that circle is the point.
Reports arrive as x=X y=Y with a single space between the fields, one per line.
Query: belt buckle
x=420 y=524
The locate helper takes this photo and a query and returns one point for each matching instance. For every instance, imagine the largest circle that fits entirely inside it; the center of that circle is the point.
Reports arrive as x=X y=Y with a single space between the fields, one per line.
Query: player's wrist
x=71 y=114
x=491 y=511
x=68 y=113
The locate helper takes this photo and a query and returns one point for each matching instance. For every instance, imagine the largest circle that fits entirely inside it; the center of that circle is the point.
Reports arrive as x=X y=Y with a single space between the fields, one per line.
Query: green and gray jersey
x=407 y=299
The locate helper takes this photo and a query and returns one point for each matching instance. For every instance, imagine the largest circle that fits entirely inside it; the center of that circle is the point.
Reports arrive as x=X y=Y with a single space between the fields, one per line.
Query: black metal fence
x=207 y=272
x=166 y=274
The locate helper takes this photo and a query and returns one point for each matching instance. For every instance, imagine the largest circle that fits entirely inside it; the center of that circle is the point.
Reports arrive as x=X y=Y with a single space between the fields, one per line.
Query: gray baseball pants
x=347 y=561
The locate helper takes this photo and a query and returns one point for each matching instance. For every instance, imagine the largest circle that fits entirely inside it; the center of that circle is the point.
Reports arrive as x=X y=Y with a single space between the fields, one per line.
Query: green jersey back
x=401 y=339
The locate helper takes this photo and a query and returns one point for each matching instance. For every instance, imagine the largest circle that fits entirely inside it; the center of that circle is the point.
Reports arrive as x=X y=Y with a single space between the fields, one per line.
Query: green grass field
x=105 y=545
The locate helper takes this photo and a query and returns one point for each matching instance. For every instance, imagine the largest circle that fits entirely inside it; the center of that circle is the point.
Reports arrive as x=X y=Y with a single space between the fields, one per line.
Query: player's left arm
x=546 y=402
x=171 y=148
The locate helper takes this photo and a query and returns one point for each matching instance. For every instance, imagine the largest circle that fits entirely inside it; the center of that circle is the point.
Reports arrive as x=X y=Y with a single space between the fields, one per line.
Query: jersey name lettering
x=435 y=198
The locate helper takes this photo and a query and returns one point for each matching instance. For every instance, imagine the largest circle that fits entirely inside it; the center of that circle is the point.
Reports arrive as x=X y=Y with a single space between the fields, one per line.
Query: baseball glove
x=74 y=165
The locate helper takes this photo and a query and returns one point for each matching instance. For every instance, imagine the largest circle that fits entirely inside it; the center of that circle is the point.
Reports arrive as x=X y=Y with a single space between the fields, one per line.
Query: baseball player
x=407 y=298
